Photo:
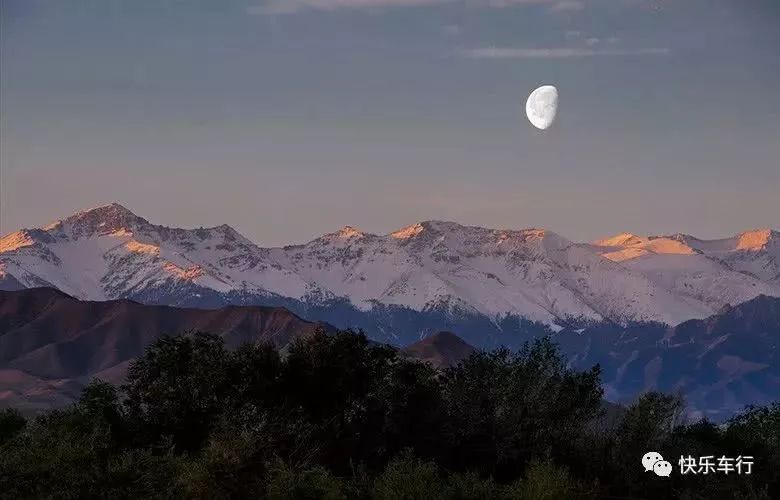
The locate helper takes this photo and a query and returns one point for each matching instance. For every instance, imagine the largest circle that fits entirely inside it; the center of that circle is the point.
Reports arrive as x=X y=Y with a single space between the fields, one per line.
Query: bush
x=230 y=466
x=470 y=486
x=69 y=454
x=409 y=478
x=547 y=481
x=316 y=483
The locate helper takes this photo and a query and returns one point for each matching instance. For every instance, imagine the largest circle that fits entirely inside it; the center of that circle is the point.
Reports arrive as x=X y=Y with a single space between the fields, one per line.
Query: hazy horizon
x=288 y=120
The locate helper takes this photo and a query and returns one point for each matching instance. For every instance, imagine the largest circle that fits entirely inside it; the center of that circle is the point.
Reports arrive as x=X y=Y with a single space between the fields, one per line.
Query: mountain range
x=52 y=344
x=719 y=364
x=491 y=286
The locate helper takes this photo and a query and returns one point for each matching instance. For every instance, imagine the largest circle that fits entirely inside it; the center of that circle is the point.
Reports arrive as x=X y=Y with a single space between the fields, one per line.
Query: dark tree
x=11 y=423
x=504 y=408
x=177 y=389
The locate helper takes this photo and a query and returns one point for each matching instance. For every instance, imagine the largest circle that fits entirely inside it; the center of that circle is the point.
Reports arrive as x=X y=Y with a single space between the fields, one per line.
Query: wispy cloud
x=567 y=6
x=452 y=29
x=294 y=6
x=554 y=4
x=556 y=53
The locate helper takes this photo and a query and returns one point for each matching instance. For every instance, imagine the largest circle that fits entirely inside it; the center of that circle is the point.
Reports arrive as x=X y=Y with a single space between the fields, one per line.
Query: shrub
x=315 y=483
x=230 y=466
x=409 y=478
x=470 y=486
x=546 y=481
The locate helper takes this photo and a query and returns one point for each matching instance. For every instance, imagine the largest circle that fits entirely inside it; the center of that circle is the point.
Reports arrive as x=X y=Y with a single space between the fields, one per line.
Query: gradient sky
x=291 y=118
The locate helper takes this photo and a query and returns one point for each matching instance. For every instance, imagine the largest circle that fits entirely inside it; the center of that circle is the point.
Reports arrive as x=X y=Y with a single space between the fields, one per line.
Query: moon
x=542 y=106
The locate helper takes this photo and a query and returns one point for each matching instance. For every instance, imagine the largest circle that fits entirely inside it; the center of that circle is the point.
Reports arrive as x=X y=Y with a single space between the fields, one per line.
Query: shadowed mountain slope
x=720 y=364
x=50 y=341
x=441 y=349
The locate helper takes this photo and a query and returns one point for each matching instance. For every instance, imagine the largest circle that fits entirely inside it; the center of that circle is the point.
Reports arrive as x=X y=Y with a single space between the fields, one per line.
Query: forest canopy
x=337 y=416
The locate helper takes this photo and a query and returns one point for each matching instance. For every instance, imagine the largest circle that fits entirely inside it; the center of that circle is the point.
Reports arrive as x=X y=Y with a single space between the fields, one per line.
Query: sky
x=288 y=119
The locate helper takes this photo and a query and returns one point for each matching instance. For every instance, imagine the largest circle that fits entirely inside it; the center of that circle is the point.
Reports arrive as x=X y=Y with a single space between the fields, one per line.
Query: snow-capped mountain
x=714 y=272
x=109 y=252
x=532 y=273
x=442 y=267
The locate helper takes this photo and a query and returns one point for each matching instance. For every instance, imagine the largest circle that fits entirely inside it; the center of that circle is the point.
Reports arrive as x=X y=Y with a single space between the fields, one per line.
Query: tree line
x=339 y=417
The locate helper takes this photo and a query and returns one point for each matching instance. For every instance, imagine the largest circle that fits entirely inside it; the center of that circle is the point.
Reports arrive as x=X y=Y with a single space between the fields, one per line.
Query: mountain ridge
x=430 y=267
x=720 y=363
x=52 y=344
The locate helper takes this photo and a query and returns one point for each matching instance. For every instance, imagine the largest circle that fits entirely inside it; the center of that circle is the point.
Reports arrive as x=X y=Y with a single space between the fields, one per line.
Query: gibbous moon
x=542 y=106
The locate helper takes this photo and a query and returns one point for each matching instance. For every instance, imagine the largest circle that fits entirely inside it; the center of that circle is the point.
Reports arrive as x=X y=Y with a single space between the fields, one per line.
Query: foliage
x=506 y=408
x=470 y=486
x=339 y=417
x=546 y=481
x=11 y=423
x=409 y=478
x=69 y=454
x=176 y=389
x=316 y=483
x=229 y=466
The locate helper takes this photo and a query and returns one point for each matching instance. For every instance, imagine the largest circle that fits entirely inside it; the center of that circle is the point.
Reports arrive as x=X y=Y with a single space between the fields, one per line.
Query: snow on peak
x=748 y=241
x=348 y=232
x=408 y=232
x=755 y=240
x=144 y=248
x=621 y=240
x=426 y=231
x=15 y=241
x=225 y=233
x=105 y=219
x=189 y=273
x=104 y=213
x=551 y=240
x=628 y=246
x=346 y=235
x=108 y=252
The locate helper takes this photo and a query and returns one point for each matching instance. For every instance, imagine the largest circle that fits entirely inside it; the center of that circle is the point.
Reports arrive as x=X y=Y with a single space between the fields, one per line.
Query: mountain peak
x=108 y=210
x=230 y=234
x=408 y=231
x=750 y=241
x=348 y=232
x=102 y=219
x=757 y=239
x=441 y=349
x=434 y=226
x=621 y=240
